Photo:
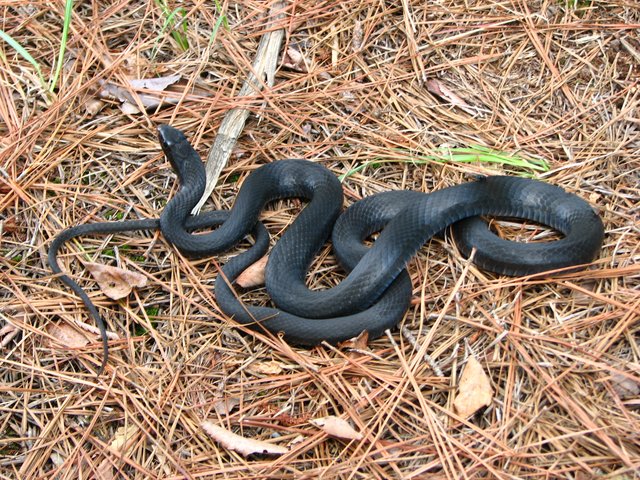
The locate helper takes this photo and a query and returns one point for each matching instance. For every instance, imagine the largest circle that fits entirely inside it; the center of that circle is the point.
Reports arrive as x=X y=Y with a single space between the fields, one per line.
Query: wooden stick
x=262 y=74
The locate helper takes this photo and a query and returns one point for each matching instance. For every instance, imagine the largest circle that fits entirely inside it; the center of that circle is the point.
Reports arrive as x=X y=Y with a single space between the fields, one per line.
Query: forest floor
x=391 y=95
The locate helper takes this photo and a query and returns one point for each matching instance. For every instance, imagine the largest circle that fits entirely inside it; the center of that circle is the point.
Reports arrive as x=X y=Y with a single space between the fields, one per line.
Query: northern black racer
x=376 y=293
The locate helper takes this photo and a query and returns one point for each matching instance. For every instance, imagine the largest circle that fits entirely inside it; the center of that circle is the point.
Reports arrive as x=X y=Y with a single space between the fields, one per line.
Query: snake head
x=179 y=152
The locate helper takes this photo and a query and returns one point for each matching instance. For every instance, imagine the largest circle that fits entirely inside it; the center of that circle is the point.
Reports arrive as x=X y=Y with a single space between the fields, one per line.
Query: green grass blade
x=222 y=20
x=222 y=16
x=174 y=19
x=68 y=10
x=24 y=54
x=474 y=153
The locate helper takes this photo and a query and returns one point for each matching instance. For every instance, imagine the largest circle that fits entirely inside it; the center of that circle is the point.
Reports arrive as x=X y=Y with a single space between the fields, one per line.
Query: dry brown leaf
x=336 y=427
x=7 y=333
x=266 y=368
x=296 y=440
x=474 y=389
x=357 y=37
x=95 y=330
x=147 y=100
x=93 y=107
x=115 y=283
x=438 y=88
x=253 y=274
x=624 y=386
x=359 y=343
x=67 y=335
x=9 y=225
x=124 y=438
x=156 y=84
x=224 y=406
x=242 y=445
x=294 y=60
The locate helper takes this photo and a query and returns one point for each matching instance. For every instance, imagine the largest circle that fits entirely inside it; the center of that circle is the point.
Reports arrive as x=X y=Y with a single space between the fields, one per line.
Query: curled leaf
x=115 y=283
x=242 y=445
x=336 y=427
x=7 y=333
x=294 y=60
x=474 y=389
x=121 y=443
x=123 y=438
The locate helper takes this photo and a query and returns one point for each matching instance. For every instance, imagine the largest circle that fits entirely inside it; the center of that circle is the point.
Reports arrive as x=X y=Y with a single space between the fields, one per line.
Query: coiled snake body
x=375 y=294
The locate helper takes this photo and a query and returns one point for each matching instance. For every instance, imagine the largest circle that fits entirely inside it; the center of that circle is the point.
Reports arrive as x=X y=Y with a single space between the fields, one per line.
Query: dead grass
x=556 y=80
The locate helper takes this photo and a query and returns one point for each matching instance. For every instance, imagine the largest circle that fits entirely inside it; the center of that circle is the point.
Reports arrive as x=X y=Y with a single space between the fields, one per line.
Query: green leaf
x=68 y=10
x=24 y=54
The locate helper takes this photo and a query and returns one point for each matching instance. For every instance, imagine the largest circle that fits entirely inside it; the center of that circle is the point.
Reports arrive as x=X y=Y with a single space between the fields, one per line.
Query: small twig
x=427 y=358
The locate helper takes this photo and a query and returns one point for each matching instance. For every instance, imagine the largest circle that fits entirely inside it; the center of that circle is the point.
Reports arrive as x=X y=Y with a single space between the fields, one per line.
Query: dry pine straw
x=557 y=79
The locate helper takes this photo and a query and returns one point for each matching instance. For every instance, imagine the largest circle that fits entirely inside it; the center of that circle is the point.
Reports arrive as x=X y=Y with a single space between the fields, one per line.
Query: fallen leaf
x=7 y=333
x=294 y=60
x=124 y=438
x=129 y=108
x=242 y=445
x=266 y=368
x=438 y=88
x=357 y=37
x=359 y=343
x=115 y=283
x=93 y=107
x=224 y=406
x=624 y=386
x=9 y=225
x=474 y=389
x=253 y=275
x=156 y=84
x=296 y=440
x=336 y=427
x=95 y=330
x=148 y=100
x=67 y=335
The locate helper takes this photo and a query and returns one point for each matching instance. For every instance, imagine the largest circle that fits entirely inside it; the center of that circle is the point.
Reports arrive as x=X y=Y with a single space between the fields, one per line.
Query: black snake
x=376 y=292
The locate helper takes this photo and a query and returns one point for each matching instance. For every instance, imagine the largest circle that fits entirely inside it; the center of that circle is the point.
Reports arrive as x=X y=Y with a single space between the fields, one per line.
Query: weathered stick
x=262 y=74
